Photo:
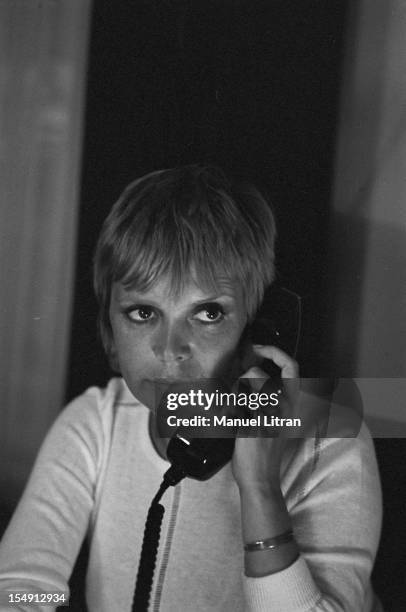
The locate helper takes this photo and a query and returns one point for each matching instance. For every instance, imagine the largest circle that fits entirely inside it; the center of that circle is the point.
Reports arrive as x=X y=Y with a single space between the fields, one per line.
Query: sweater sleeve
x=337 y=522
x=42 y=541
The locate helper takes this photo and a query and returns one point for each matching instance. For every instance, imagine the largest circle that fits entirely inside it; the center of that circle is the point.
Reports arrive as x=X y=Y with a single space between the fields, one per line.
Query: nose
x=171 y=343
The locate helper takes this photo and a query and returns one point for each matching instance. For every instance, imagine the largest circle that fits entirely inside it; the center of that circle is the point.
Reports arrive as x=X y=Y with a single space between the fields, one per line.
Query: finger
x=263 y=384
x=289 y=367
x=260 y=381
x=256 y=377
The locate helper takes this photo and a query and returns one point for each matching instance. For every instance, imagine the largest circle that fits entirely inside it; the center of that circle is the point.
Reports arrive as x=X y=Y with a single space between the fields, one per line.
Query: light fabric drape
x=43 y=53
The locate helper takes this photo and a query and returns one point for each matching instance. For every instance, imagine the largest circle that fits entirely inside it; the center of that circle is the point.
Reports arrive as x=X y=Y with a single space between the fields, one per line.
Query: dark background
x=250 y=86
x=253 y=87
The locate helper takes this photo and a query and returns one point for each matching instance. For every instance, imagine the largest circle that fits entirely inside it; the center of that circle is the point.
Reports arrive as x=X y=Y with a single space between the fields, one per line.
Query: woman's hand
x=256 y=468
x=256 y=461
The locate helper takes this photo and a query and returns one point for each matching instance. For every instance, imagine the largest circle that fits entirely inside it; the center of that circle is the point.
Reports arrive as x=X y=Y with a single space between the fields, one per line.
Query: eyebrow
x=215 y=298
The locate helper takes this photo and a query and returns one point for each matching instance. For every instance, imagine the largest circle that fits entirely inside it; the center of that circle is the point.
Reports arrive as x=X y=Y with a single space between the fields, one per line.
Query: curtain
x=43 y=51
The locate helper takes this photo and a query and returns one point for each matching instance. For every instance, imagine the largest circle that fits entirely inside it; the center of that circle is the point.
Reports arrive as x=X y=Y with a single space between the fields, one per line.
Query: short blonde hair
x=171 y=220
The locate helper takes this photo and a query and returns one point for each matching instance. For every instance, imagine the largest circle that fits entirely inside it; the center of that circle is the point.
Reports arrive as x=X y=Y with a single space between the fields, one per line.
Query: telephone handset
x=201 y=458
x=278 y=322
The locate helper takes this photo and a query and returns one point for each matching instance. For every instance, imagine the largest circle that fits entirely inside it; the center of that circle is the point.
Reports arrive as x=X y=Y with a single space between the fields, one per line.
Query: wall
x=368 y=221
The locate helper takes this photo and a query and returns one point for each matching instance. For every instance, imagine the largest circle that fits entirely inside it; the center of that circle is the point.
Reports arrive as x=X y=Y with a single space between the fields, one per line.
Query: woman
x=181 y=267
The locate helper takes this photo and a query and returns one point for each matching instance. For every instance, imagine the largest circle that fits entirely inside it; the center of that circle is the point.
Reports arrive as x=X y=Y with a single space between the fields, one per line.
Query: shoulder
x=96 y=405
x=345 y=466
x=86 y=424
x=355 y=454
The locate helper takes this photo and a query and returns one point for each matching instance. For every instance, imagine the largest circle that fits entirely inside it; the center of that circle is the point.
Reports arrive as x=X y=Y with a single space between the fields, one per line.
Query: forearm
x=264 y=515
x=337 y=522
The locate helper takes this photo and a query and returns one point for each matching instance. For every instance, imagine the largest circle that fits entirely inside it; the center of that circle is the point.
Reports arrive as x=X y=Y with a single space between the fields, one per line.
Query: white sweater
x=97 y=473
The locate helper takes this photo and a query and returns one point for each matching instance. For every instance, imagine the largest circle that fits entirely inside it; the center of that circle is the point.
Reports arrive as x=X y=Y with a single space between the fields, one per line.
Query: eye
x=140 y=314
x=210 y=313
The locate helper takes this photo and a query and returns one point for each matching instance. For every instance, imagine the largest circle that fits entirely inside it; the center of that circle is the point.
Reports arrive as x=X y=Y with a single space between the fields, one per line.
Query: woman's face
x=159 y=337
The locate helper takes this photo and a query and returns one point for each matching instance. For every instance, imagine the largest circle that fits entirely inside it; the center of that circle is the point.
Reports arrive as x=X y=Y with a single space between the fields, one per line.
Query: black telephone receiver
x=278 y=323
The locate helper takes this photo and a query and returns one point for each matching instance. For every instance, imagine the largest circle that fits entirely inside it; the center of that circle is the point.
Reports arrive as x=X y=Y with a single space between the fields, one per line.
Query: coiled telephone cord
x=150 y=541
